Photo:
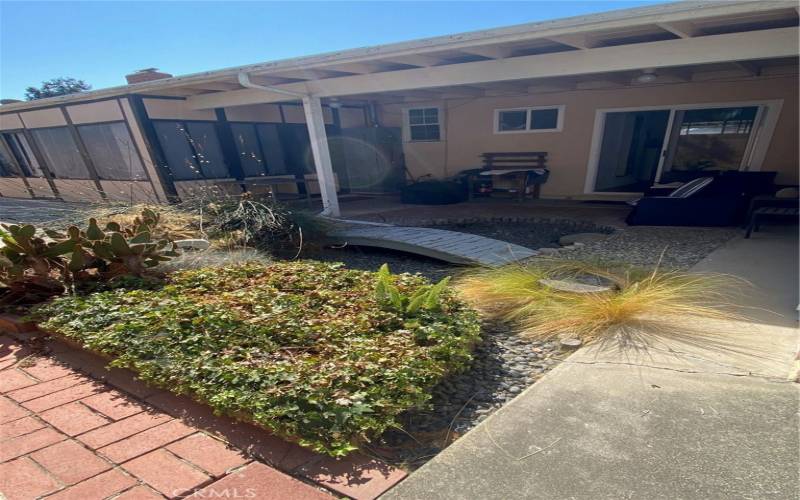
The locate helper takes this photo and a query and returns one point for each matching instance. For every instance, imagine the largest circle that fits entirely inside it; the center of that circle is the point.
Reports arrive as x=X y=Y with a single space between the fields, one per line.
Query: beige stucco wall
x=175 y=109
x=38 y=118
x=293 y=113
x=10 y=121
x=352 y=118
x=468 y=127
x=11 y=187
x=101 y=111
x=139 y=191
x=267 y=113
x=78 y=190
x=40 y=187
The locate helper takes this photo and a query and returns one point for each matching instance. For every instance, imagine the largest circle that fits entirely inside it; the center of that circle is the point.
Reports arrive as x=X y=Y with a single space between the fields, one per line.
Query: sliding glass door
x=642 y=148
x=631 y=150
x=708 y=140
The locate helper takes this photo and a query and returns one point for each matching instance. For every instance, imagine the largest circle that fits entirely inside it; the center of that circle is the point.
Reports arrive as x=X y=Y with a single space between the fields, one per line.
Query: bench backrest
x=521 y=159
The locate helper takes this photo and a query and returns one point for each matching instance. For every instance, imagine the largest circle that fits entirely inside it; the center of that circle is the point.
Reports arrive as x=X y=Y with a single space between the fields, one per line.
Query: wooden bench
x=524 y=168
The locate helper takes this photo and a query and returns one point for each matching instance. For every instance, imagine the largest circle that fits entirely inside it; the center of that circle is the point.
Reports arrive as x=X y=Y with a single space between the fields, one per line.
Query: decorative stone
x=574 y=286
x=548 y=251
x=583 y=238
x=570 y=343
x=193 y=244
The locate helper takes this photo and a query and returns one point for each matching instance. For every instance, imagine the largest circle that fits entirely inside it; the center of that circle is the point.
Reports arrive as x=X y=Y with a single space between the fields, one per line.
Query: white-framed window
x=529 y=119
x=423 y=124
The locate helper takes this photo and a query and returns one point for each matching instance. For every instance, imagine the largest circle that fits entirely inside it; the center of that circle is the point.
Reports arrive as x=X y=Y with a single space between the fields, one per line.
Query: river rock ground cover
x=505 y=363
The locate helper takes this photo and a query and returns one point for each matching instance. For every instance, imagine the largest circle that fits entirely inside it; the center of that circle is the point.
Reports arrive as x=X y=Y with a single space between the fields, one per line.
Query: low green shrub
x=305 y=349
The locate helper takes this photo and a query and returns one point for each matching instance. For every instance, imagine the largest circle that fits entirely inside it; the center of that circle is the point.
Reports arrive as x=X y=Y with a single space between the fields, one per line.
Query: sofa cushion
x=692 y=187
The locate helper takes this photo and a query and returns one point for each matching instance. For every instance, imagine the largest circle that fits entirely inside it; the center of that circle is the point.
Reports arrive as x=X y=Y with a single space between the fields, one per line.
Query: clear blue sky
x=102 y=41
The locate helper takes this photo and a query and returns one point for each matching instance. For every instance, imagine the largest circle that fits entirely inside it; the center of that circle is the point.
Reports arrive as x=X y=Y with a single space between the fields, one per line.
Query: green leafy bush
x=304 y=349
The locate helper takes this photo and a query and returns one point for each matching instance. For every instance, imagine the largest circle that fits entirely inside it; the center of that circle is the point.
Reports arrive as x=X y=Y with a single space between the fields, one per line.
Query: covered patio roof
x=743 y=36
x=682 y=42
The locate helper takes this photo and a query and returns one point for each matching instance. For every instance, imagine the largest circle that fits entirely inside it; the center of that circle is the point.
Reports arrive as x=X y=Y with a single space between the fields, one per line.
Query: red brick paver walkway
x=72 y=429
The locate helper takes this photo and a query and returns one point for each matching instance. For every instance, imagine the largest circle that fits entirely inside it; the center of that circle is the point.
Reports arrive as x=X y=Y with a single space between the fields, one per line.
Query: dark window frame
x=184 y=125
x=44 y=153
x=137 y=153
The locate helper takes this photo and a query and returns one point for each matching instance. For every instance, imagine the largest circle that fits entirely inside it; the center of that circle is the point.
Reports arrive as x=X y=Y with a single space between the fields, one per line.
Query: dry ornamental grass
x=520 y=294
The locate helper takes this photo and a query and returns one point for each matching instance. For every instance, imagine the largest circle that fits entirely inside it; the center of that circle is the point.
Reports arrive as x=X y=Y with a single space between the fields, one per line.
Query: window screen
x=423 y=124
x=203 y=137
x=272 y=149
x=512 y=120
x=7 y=167
x=112 y=151
x=23 y=154
x=179 y=155
x=248 y=149
x=544 y=119
x=61 y=153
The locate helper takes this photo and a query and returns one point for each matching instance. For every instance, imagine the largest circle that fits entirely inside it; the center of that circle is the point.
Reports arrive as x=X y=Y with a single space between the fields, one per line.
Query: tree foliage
x=55 y=87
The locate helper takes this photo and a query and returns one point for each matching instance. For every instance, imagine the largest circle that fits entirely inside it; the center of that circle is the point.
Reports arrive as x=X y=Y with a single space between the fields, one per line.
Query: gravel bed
x=504 y=365
x=370 y=259
x=531 y=233
x=676 y=248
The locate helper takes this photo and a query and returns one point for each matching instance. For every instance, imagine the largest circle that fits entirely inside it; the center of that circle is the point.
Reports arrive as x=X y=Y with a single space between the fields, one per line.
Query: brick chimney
x=146 y=75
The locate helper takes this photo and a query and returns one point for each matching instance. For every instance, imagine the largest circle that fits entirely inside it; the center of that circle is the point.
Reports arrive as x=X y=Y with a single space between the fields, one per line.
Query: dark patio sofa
x=718 y=199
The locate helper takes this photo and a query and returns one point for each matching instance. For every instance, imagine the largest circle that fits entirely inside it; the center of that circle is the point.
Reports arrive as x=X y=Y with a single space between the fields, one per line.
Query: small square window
x=423 y=124
x=512 y=120
x=544 y=119
x=533 y=119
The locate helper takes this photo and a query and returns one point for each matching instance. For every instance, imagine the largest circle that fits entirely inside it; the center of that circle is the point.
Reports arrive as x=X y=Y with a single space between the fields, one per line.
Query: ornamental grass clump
x=627 y=300
x=310 y=351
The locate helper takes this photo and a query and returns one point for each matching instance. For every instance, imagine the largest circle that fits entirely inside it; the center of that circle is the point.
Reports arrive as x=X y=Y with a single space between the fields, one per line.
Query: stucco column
x=312 y=106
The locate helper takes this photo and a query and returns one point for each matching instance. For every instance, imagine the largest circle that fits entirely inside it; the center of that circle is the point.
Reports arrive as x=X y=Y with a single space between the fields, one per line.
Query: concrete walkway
x=707 y=412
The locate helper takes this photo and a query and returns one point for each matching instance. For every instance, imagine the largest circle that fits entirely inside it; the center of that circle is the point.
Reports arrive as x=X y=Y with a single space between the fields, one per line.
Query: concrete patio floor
x=709 y=414
x=372 y=208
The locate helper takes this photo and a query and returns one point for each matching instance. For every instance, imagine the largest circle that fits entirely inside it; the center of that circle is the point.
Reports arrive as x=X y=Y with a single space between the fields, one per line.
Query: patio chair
x=720 y=200
x=783 y=205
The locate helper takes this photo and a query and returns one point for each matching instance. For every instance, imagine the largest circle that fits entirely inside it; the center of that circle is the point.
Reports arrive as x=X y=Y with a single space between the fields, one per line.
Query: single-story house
x=619 y=101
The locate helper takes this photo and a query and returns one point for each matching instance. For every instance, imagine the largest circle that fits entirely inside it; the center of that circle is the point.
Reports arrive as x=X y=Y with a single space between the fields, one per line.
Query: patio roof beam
x=780 y=42
x=750 y=67
x=419 y=60
x=682 y=29
x=360 y=68
x=582 y=41
x=490 y=51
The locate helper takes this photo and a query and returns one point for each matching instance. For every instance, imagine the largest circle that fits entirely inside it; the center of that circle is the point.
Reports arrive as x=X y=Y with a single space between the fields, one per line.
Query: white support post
x=312 y=106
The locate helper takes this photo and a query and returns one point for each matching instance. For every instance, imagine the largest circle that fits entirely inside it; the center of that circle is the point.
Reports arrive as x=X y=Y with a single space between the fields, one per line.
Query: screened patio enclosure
x=619 y=101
